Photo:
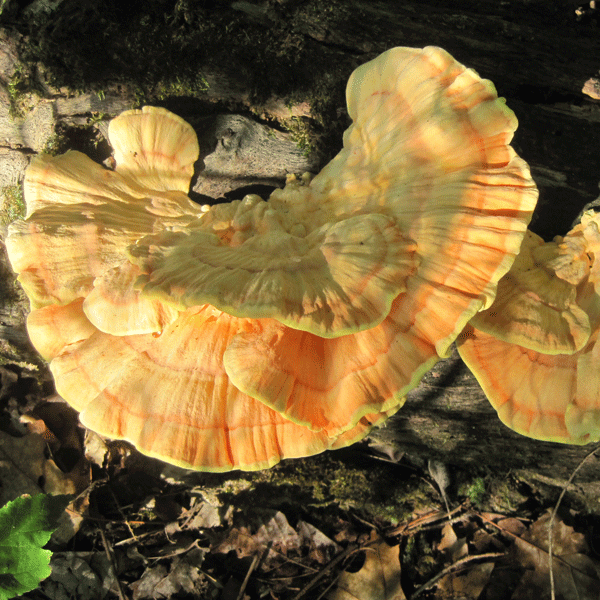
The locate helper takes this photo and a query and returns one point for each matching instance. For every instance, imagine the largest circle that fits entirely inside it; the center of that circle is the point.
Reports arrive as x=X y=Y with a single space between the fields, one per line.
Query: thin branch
x=113 y=563
x=338 y=559
x=255 y=562
x=459 y=563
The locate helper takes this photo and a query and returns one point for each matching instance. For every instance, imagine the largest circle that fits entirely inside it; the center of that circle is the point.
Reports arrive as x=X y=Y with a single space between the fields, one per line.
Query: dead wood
x=538 y=53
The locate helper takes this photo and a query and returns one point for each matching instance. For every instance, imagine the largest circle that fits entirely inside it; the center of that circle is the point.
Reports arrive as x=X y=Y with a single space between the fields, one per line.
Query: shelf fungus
x=236 y=335
x=534 y=350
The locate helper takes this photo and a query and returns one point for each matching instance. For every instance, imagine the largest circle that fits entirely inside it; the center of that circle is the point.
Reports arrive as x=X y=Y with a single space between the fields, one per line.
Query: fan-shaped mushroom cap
x=113 y=306
x=81 y=218
x=53 y=327
x=546 y=397
x=535 y=351
x=155 y=148
x=429 y=145
x=535 y=307
x=426 y=168
x=170 y=396
x=323 y=383
x=464 y=201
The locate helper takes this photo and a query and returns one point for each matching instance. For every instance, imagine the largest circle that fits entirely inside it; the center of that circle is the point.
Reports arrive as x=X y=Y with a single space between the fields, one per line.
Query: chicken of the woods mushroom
x=236 y=335
x=534 y=350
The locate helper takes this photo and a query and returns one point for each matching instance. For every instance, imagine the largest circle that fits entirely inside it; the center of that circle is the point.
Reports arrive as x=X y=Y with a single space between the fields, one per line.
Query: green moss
x=23 y=91
x=417 y=558
x=56 y=144
x=12 y=204
x=508 y=494
x=301 y=133
x=84 y=138
x=164 y=49
x=378 y=494
x=476 y=491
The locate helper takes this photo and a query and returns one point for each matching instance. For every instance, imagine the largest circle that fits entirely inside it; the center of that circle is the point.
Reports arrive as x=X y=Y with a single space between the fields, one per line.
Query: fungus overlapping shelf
x=535 y=351
x=236 y=335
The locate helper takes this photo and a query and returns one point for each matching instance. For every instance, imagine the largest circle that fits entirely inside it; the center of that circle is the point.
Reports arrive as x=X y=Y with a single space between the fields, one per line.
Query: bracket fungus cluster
x=534 y=350
x=235 y=335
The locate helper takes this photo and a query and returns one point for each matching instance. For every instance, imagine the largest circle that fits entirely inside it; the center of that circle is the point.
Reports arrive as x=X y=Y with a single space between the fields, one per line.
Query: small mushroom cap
x=155 y=148
x=547 y=397
x=53 y=327
x=115 y=307
x=589 y=229
x=547 y=302
x=535 y=307
x=170 y=396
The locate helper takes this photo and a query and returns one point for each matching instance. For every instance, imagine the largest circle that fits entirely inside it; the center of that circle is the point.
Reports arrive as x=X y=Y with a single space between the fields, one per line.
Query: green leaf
x=26 y=525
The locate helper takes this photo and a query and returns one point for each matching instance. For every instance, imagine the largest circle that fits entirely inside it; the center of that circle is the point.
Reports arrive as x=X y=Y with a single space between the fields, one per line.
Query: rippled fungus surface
x=535 y=351
x=236 y=335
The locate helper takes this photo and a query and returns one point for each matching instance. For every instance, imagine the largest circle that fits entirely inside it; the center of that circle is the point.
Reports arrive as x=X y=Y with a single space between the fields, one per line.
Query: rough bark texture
x=282 y=65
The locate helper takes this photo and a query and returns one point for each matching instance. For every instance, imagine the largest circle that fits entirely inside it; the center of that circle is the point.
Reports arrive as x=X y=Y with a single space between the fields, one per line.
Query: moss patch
x=12 y=205
x=384 y=495
x=167 y=49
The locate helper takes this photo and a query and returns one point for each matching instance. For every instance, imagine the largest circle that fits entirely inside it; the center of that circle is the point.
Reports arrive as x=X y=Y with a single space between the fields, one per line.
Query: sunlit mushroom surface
x=237 y=335
x=535 y=351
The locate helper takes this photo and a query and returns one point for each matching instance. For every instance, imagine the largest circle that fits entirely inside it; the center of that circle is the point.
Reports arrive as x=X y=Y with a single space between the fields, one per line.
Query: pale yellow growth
x=535 y=307
x=333 y=280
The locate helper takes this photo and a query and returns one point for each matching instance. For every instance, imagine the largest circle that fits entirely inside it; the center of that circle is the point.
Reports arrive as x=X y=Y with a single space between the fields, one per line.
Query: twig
x=552 y=518
x=423 y=521
x=456 y=565
x=326 y=590
x=338 y=559
x=116 y=501
x=255 y=561
x=113 y=563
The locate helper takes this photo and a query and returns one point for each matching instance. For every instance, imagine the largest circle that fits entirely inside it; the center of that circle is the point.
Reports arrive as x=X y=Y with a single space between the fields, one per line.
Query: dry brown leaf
x=466 y=585
x=512 y=526
x=321 y=547
x=275 y=531
x=576 y=576
x=24 y=469
x=184 y=575
x=379 y=578
x=452 y=547
x=282 y=538
x=202 y=515
x=82 y=575
x=96 y=449
x=278 y=531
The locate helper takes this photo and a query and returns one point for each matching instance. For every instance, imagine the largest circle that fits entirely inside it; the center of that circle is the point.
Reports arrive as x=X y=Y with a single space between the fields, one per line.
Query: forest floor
x=347 y=525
